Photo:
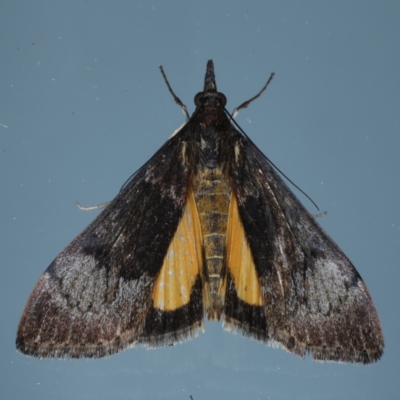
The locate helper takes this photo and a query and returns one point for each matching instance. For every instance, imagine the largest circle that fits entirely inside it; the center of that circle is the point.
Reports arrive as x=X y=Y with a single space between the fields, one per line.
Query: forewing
x=94 y=298
x=314 y=299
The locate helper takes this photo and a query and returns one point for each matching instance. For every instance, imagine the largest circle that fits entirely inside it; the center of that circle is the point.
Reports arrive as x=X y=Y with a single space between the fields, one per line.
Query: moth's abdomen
x=212 y=194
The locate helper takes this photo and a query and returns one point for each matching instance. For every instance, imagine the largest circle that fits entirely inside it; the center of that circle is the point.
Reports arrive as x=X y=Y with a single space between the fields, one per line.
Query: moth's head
x=210 y=97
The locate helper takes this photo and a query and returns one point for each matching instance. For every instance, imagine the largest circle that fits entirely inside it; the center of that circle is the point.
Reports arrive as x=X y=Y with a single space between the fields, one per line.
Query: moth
x=206 y=228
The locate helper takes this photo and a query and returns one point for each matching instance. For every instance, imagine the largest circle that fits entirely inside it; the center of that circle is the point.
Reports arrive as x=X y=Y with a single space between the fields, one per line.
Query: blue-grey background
x=83 y=106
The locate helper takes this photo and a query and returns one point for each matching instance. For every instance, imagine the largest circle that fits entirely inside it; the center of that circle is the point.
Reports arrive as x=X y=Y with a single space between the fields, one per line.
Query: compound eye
x=222 y=99
x=199 y=99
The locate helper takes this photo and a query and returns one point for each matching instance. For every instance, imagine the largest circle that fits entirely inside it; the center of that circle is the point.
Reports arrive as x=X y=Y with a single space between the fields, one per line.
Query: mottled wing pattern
x=96 y=297
x=314 y=299
x=206 y=225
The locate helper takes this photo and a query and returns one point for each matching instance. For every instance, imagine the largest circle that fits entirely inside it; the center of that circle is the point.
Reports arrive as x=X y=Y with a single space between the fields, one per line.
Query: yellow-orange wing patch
x=239 y=259
x=182 y=263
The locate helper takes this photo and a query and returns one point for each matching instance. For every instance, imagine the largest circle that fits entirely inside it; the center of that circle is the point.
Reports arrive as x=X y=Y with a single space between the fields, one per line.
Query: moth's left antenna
x=176 y=98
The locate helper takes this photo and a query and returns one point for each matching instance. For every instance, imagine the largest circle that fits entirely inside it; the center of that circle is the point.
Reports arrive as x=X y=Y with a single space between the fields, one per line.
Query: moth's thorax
x=213 y=135
x=211 y=120
x=212 y=193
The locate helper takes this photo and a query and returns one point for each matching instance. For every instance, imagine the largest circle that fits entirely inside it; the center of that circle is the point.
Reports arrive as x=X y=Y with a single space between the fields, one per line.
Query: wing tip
x=368 y=355
x=67 y=350
x=84 y=350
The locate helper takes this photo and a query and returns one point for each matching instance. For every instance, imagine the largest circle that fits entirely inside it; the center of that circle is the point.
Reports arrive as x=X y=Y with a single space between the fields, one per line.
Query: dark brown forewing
x=93 y=299
x=315 y=300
